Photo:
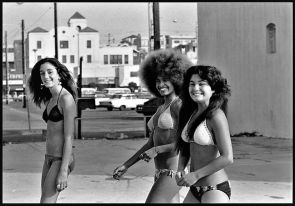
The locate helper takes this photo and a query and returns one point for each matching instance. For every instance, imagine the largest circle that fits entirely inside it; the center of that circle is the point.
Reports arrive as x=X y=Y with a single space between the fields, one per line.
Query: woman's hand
x=178 y=176
x=119 y=171
x=61 y=182
x=149 y=154
x=186 y=180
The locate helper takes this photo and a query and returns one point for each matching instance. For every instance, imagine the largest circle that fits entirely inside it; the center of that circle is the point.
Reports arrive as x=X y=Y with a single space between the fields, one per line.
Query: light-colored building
x=174 y=41
x=74 y=41
x=118 y=66
x=15 y=74
x=100 y=65
x=118 y=55
x=185 y=44
x=251 y=43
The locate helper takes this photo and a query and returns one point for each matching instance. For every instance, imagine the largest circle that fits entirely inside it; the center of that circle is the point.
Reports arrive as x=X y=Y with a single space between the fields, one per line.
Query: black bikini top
x=54 y=115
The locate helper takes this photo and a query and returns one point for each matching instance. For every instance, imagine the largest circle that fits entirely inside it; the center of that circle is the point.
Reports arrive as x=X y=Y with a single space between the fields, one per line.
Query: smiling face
x=164 y=86
x=200 y=91
x=49 y=75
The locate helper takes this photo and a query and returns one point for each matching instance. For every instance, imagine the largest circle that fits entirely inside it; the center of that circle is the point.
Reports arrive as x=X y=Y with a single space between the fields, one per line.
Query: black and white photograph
x=147 y=102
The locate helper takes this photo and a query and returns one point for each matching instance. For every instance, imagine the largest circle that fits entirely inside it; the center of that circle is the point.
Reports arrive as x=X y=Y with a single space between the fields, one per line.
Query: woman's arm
x=154 y=151
x=120 y=170
x=183 y=160
x=69 y=111
x=135 y=158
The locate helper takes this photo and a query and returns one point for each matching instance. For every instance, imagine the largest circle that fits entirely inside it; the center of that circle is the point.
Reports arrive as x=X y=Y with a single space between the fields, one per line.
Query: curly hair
x=219 y=98
x=166 y=63
x=42 y=94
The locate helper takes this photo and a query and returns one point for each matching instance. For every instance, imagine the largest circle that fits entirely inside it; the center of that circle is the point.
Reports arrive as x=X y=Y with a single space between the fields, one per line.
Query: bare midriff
x=202 y=155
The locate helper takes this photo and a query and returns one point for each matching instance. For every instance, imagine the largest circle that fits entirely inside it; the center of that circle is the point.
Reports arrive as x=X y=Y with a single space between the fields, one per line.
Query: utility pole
x=55 y=31
x=79 y=112
x=23 y=63
x=7 y=69
x=150 y=24
x=156 y=21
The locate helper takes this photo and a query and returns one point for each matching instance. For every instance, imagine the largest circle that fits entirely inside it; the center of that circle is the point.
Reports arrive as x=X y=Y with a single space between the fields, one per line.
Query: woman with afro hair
x=204 y=136
x=51 y=84
x=162 y=73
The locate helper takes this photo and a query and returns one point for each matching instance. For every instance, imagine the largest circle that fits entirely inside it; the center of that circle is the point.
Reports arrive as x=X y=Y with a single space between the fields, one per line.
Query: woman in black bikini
x=204 y=137
x=52 y=84
x=162 y=73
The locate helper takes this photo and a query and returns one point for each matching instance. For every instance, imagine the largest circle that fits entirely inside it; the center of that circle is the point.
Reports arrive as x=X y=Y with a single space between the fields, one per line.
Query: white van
x=111 y=91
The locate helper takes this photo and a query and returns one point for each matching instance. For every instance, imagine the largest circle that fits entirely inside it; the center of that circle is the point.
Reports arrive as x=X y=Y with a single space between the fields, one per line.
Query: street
x=94 y=120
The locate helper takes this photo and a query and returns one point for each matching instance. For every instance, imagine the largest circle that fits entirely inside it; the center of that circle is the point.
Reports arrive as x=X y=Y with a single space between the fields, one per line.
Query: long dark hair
x=218 y=100
x=42 y=94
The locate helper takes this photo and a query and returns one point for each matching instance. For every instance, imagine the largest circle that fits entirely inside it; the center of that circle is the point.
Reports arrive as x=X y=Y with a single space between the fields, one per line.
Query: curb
x=39 y=135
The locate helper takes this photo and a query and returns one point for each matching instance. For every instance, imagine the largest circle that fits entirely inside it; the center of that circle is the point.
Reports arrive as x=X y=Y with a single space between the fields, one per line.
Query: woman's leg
x=164 y=190
x=49 y=192
x=190 y=198
x=44 y=173
x=214 y=196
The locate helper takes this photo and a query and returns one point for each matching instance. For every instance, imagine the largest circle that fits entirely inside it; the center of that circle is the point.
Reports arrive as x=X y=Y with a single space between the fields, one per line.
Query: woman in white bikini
x=204 y=136
x=162 y=73
x=52 y=84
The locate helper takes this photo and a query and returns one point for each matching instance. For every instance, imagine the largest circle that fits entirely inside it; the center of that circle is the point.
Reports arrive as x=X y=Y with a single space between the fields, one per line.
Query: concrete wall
x=232 y=36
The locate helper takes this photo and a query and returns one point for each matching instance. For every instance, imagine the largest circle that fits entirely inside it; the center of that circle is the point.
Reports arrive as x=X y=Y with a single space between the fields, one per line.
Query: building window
x=39 y=57
x=126 y=59
x=39 y=45
x=88 y=58
x=105 y=59
x=271 y=38
x=88 y=44
x=116 y=59
x=64 y=44
x=133 y=74
x=64 y=59
x=72 y=59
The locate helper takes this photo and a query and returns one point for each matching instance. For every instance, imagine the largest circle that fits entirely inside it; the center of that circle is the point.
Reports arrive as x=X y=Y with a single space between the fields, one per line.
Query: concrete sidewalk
x=259 y=176
x=261 y=172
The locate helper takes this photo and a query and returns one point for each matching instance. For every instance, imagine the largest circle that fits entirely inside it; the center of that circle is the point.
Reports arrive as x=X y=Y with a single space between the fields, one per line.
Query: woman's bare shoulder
x=217 y=117
x=66 y=98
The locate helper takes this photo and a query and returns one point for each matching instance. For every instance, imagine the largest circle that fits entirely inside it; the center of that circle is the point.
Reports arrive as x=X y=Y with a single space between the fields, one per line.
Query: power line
x=38 y=18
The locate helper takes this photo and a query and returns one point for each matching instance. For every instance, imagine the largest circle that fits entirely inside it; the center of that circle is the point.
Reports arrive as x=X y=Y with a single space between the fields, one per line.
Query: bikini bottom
x=159 y=172
x=198 y=191
x=49 y=159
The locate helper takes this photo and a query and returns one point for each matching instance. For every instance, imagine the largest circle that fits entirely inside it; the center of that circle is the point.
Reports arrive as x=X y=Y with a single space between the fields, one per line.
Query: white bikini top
x=165 y=120
x=202 y=135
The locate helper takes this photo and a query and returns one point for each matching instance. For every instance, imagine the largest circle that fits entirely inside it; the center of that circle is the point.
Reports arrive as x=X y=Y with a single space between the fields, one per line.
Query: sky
x=117 y=19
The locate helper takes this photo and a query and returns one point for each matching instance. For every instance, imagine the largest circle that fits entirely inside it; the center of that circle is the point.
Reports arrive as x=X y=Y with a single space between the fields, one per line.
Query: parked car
x=122 y=102
x=149 y=107
x=144 y=95
x=7 y=97
x=20 y=97
x=111 y=91
x=100 y=97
